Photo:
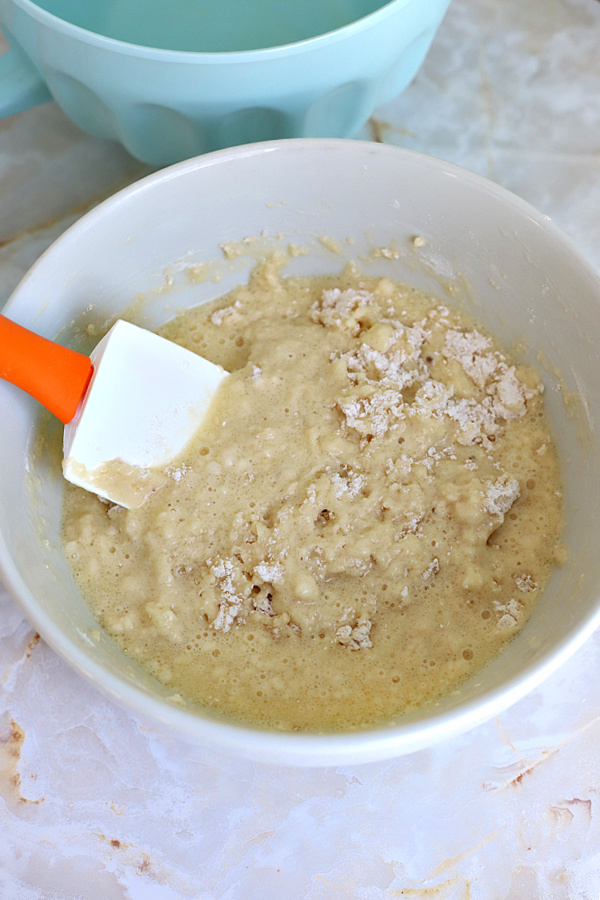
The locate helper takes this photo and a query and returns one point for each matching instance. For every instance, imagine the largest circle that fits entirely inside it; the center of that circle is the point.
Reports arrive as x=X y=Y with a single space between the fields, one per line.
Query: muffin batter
x=368 y=516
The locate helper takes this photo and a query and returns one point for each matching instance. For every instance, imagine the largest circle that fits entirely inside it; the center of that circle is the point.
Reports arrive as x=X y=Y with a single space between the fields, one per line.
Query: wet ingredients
x=369 y=515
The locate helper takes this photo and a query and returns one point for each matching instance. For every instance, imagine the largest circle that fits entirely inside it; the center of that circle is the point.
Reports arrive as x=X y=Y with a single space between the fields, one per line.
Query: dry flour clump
x=396 y=382
x=232 y=596
x=357 y=637
x=342 y=309
x=501 y=495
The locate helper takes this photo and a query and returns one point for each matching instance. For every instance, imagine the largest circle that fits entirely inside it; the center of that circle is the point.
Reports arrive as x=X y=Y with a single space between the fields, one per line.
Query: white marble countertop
x=95 y=803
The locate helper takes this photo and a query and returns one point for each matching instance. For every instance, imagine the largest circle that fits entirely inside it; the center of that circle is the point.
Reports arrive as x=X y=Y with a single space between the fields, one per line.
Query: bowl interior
x=207 y=27
x=158 y=243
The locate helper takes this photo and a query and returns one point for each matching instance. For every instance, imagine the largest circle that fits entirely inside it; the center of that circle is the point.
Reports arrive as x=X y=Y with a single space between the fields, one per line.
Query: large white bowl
x=519 y=275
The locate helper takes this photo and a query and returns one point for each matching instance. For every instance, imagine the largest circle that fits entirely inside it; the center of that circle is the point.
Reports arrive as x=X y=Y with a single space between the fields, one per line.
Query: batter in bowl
x=368 y=517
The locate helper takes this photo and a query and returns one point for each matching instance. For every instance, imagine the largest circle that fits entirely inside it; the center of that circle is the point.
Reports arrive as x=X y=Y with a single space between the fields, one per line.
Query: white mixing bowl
x=518 y=274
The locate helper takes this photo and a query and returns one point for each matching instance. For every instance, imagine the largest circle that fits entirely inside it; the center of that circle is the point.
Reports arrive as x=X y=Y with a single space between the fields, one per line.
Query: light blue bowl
x=166 y=104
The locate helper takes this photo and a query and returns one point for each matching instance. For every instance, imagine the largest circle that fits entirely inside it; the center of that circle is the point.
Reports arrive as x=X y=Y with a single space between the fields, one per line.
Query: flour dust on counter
x=369 y=515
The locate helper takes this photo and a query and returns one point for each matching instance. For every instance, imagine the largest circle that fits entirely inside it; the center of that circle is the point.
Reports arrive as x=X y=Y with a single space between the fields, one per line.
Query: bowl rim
x=312 y=749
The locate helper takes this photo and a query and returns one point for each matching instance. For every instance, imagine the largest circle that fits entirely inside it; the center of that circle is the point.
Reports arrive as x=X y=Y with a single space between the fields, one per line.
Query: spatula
x=129 y=408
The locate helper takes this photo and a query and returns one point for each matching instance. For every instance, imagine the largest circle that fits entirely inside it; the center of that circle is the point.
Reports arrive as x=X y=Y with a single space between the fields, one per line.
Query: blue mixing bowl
x=174 y=80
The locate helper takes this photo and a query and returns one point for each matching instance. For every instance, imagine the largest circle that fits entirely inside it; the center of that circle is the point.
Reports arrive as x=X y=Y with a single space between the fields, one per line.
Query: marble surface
x=95 y=803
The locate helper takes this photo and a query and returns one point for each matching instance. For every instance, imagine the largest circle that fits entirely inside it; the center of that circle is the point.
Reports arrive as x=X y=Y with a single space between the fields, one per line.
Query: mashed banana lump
x=368 y=516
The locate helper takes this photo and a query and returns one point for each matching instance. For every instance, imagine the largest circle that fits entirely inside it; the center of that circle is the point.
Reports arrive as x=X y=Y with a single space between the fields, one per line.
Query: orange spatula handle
x=54 y=375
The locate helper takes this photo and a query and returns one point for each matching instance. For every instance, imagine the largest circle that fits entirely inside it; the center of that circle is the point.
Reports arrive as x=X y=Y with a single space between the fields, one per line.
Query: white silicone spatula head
x=129 y=409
